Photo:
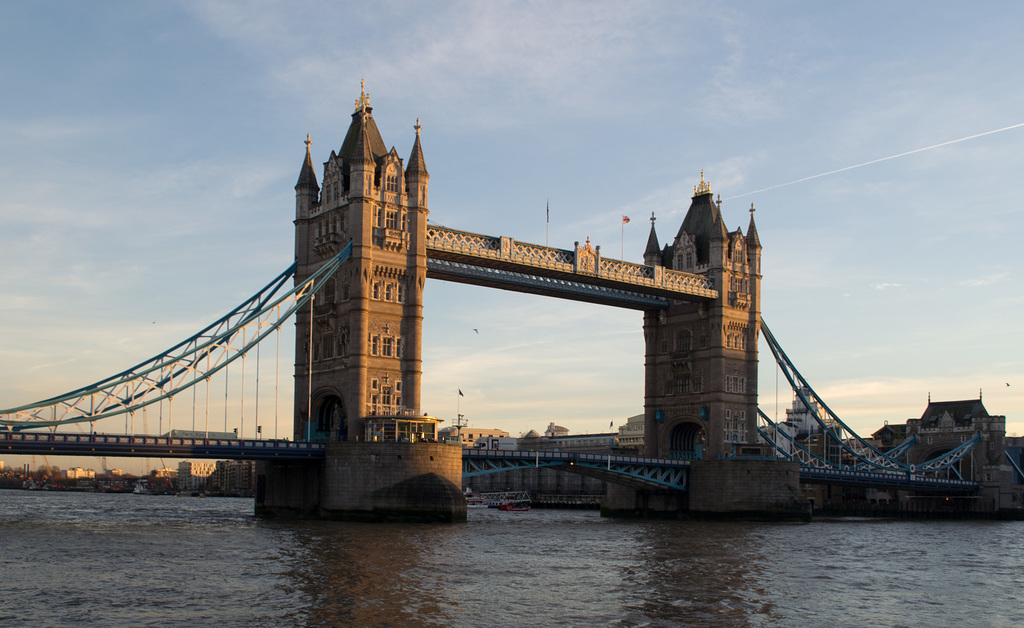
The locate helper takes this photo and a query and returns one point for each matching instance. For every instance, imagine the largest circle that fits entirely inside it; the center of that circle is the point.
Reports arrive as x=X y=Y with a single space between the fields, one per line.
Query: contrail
x=875 y=161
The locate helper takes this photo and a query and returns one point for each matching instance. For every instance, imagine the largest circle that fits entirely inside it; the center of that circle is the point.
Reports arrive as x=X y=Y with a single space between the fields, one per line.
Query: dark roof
x=372 y=141
x=307 y=176
x=703 y=220
x=417 y=164
x=653 y=249
x=961 y=411
x=899 y=430
x=752 y=238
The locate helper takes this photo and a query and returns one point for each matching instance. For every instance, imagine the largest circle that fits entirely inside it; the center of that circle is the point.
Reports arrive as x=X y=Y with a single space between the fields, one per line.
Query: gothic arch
x=329 y=416
x=686 y=440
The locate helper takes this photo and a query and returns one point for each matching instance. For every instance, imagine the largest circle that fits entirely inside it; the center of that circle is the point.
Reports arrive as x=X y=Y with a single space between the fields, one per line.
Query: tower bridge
x=363 y=251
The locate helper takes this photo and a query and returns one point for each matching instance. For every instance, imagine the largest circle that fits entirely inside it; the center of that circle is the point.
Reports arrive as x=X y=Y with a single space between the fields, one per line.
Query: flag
x=547 y=211
x=611 y=424
x=460 y=393
x=625 y=220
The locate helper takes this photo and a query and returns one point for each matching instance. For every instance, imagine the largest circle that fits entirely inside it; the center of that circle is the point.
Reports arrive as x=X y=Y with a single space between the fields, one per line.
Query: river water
x=129 y=560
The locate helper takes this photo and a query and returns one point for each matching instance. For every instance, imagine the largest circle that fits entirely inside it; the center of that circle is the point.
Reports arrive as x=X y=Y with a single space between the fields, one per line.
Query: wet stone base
x=377 y=482
x=721 y=490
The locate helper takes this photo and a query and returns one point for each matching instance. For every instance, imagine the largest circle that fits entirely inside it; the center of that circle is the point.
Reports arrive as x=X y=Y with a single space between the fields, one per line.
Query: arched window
x=683 y=340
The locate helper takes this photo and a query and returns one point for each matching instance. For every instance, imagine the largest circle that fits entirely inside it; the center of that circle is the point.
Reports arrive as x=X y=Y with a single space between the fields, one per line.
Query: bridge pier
x=733 y=488
x=367 y=481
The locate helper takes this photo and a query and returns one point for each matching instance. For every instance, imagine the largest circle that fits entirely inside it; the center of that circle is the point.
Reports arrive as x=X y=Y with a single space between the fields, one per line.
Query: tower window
x=392 y=220
x=386 y=344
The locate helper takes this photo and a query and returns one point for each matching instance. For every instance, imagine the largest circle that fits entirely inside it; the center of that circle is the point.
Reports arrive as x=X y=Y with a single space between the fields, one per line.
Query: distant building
x=599 y=443
x=192 y=474
x=76 y=473
x=554 y=431
x=467 y=435
x=801 y=416
x=497 y=442
x=631 y=435
x=233 y=477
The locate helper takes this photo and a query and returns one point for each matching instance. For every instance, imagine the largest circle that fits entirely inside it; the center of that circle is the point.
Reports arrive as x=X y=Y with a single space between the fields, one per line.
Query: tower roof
x=752 y=230
x=363 y=140
x=703 y=220
x=653 y=248
x=417 y=164
x=961 y=411
x=307 y=175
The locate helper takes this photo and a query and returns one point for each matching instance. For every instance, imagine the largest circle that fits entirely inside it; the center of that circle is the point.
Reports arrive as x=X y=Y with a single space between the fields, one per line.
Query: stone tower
x=358 y=343
x=700 y=397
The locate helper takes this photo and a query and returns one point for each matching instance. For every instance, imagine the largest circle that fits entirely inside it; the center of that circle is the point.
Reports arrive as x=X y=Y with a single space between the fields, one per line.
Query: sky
x=148 y=154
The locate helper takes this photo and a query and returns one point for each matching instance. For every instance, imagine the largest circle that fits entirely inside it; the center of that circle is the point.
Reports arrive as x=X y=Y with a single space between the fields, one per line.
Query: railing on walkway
x=584 y=264
x=883 y=479
x=156 y=446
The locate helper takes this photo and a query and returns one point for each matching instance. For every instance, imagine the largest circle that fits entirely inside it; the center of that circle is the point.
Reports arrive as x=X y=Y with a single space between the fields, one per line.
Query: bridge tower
x=700 y=398
x=362 y=355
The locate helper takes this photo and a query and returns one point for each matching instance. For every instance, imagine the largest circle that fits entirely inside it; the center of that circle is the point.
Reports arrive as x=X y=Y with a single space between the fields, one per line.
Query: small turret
x=307 y=190
x=416 y=175
x=653 y=252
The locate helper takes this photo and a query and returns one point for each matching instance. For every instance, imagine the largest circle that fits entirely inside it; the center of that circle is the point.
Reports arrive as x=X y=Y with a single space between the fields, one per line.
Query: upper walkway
x=580 y=274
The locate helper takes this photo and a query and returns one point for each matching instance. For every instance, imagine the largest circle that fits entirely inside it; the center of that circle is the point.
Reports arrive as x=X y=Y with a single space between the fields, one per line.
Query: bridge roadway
x=635 y=471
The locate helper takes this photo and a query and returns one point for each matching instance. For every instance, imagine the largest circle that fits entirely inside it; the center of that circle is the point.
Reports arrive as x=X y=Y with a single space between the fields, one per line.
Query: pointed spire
x=417 y=164
x=307 y=175
x=652 y=254
x=752 y=229
x=718 y=231
x=363 y=149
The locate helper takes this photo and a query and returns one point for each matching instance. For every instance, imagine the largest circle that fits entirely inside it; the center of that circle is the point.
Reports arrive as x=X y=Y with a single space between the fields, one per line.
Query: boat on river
x=514 y=507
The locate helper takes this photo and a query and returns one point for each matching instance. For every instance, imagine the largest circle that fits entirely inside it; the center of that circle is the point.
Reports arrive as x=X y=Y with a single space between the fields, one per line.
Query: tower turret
x=416 y=175
x=653 y=253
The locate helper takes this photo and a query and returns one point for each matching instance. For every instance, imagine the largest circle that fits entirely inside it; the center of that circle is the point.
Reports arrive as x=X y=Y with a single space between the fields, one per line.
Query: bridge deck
x=580 y=274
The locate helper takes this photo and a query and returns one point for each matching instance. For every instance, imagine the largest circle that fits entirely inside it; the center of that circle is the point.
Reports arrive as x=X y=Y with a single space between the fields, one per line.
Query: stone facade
x=700 y=398
x=358 y=342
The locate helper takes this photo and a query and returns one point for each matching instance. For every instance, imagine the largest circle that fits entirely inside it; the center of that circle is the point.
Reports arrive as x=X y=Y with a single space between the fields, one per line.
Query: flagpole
x=547 y=220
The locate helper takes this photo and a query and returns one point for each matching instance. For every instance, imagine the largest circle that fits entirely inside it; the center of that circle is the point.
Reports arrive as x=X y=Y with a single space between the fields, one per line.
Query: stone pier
x=750 y=489
x=367 y=481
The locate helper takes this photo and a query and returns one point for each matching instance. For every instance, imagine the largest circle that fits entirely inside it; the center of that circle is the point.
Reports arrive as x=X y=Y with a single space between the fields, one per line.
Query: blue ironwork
x=1013 y=455
x=538 y=284
x=183 y=365
x=635 y=471
x=864 y=454
x=883 y=479
x=139 y=446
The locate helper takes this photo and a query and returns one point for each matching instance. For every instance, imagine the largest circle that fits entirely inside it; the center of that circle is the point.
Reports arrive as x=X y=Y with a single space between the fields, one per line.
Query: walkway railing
x=584 y=264
x=137 y=446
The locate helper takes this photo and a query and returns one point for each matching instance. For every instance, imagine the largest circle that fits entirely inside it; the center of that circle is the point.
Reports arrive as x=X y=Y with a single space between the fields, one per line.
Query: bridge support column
x=366 y=481
x=720 y=489
x=747 y=489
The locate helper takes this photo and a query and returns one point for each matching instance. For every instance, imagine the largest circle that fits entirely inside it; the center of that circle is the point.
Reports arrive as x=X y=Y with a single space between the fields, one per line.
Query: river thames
x=129 y=560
